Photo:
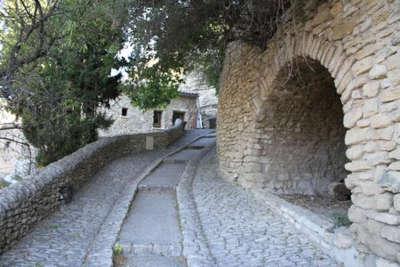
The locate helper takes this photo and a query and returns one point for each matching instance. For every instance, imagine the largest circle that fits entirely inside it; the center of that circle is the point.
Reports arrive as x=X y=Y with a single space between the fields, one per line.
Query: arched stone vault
x=358 y=42
x=302 y=134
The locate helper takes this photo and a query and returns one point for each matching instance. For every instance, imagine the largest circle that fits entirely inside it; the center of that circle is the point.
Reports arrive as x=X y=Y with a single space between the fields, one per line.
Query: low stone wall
x=24 y=204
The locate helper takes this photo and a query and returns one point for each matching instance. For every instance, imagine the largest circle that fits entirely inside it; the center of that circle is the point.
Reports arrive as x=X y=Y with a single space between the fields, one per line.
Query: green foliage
x=118 y=250
x=187 y=35
x=153 y=88
x=3 y=184
x=59 y=95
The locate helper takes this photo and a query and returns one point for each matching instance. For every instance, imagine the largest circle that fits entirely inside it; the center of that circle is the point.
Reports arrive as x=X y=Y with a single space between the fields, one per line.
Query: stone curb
x=318 y=229
x=100 y=252
x=195 y=245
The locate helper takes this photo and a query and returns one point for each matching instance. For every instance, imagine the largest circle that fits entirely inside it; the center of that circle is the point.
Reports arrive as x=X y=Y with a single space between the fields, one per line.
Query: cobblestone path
x=177 y=212
x=65 y=237
x=244 y=232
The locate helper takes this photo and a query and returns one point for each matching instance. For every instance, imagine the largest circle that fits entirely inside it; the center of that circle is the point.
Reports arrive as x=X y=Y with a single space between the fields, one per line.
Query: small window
x=124 y=112
x=157 y=118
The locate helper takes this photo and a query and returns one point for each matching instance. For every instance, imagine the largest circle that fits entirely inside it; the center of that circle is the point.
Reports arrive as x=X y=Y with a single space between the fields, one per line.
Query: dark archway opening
x=305 y=151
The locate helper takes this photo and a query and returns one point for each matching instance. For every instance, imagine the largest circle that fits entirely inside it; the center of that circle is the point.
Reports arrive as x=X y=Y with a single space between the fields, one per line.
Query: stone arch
x=301 y=131
x=356 y=42
x=300 y=47
x=301 y=52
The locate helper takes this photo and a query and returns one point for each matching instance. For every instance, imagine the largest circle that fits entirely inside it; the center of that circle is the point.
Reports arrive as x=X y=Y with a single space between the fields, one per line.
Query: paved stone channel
x=151 y=233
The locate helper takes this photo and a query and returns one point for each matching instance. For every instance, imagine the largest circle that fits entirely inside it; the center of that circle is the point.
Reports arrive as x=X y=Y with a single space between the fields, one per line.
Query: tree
x=56 y=92
x=187 y=35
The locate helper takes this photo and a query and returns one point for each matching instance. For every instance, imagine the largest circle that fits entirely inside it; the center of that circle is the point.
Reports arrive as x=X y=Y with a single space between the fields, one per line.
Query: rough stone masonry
x=322 y=104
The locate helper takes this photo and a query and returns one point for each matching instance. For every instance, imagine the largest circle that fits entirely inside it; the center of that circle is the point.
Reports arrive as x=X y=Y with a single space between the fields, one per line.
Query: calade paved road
x=239 y=230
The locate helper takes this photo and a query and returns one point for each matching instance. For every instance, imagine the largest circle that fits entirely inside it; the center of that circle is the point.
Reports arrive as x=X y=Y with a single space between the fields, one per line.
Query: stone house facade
x=195 y=82
x=129 y=119
x=321 y=104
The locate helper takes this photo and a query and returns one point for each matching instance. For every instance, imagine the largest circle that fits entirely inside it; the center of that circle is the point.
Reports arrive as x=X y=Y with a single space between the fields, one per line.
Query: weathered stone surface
x=396 y=201
x=393 y=62
x=390 y=95
x=380 y=121
x=343 y=238
x=395 y=154
x=385 y=263
x=391 y=233
x=352 y=117
x=386 y=218
x=377 y=72
x=362 y=65
x=357 y=135
x=371 y=89
x=343 y=29
x=370 y=107
x=391 y=181
x=394 y=76
x=357 y=214
x=395 y=166
x=355 y=152
x=358 y=165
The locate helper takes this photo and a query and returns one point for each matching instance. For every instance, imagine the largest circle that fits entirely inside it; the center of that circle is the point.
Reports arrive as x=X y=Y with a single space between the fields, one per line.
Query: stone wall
x=195 y=82
x=358 y=43
x=138 y=121
x=24 y=204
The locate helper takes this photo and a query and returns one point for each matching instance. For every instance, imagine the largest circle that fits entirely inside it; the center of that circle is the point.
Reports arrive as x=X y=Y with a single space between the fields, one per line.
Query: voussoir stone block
x=377 y=72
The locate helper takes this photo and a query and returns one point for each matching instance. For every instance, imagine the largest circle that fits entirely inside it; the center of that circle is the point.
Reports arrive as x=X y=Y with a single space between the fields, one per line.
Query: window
x=157 y=118
x=178 y=115
x=124 y=112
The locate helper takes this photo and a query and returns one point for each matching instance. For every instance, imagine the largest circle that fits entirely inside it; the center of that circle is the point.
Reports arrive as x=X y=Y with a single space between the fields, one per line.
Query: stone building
x=320 y=105
x=196 y=105
x=195 y=82
x=129 y=119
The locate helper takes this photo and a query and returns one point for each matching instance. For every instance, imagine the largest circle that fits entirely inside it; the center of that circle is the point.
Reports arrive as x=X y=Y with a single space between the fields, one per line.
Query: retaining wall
x=24 y=204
